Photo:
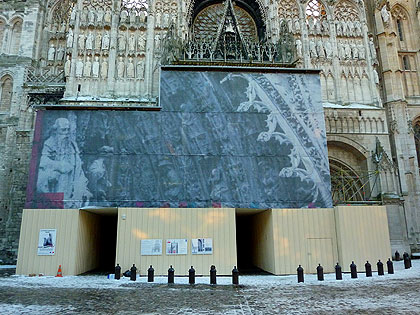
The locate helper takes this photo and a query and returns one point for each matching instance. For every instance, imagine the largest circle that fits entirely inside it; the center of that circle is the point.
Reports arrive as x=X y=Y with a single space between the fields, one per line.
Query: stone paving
x=392 y=296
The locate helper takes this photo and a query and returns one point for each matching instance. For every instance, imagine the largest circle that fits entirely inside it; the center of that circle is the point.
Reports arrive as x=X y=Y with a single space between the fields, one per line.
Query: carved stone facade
x=107 y=53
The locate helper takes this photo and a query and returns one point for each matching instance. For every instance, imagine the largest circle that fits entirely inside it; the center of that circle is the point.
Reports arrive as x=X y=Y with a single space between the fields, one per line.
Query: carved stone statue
x=140 y=69
x=157 y=19
x=311 y=25
x=347 y=51
x=132 y=17
x=142 y=17
x=79 y=68
x=95 y=67
x=165 y=20
x=51 y=53
x=350 y=27
x=157 y=41
x=341 y=51
x=355 y=50
x=325 y=26
x=89 y=41
x=299 y=48
x=358 y=28
x=320 y=49
x=121 y=42
x=375 y=77
x=123 y=16
x=328 y=49
x=142 y=42
x=132 y=43
x=344 y=27
x=73 y=15
x=84 y=16
x=98 y=41
x=81 y=41
x=104 y=69
x=312 y=48
x=386 y=17
x=100 y=16
x=338 y=28
x=107 y=16
x=91 y=17
x=120 y=68
x=87 y=69
x=373 y=51
x=70 y=39
x=296 y=26
x=67 y=67
x=60 y=53
x=130 y=68
x=362 y=51
x=105 y=41
x=318 y=30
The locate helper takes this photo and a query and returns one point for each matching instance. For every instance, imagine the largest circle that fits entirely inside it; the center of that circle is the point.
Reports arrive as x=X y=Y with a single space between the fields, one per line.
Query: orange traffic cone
x=59 y=272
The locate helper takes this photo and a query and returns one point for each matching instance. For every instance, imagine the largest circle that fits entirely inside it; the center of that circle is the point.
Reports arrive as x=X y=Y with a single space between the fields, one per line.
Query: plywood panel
x=66 y=224
x=363 y=235
x=292 y=228
x=173 y=223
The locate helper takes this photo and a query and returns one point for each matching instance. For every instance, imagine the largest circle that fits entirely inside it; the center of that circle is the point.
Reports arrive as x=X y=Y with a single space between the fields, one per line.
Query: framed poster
x=201 y=246
x=46 y=242
x=151 y=247
x=177 y=247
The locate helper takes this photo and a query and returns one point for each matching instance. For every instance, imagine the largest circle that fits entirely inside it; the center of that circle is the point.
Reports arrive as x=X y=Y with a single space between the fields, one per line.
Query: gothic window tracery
x=135 y=6
x=96 y=4
x=315 y=10
x=60 y=15
x=207 y=21
x=288 y=9
x=6 y=90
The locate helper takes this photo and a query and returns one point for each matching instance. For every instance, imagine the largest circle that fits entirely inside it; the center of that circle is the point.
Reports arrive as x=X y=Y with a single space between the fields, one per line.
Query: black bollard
x=171 y=275
x=191 y=275
x=150 y=274
x=353 y=270
x=390 y=266
x=213 y=274
x=338 y=272
x=117 y=272
x=300 y=274
x=380 y=268
x=235 y=276
x=320 y=272
x=406 y=261
x=133 y=274
x=397 y=256
x=368 y=269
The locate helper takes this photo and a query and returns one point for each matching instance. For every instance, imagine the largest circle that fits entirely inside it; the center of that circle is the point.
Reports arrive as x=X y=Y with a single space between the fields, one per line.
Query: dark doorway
x=99 y=238
x=247 y=240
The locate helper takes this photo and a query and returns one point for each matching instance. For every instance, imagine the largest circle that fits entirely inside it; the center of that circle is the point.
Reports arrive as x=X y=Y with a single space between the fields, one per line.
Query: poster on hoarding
x=151 y=247
x=202 y=246
x=46 y=242
x=176 y=247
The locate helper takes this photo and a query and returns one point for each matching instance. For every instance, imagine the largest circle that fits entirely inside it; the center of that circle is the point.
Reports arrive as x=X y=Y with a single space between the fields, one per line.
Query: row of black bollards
x=171 y=274
x=353 y=270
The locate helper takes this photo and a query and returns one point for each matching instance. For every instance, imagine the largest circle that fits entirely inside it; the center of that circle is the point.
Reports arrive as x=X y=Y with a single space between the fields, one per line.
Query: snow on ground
x=266 y=281
x=7 y=266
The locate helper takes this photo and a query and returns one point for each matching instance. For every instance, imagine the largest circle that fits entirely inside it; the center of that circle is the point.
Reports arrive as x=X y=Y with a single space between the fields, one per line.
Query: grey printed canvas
x=221 y=139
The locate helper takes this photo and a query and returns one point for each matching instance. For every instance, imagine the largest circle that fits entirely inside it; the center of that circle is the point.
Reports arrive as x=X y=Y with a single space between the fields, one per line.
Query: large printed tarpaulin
x=222 y=139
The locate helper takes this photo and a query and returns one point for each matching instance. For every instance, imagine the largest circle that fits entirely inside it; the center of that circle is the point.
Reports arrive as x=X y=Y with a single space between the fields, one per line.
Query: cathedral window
x=400 y=30
x=15 y=39
x=316 y=10
x=406 y=63
x=206 y=23
x=2 y=24
x=6 y=90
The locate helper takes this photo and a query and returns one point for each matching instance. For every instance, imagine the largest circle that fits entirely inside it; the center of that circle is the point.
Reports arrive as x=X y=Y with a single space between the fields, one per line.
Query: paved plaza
x=390 y=294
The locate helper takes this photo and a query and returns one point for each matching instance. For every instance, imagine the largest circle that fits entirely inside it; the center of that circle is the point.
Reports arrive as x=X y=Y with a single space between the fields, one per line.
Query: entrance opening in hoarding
x=99 y=234
x=252 y=253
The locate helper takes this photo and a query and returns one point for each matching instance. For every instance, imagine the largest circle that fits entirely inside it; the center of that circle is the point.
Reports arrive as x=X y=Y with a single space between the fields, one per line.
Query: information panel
x=151 y=247
x=177 y=247
x=46 y=242
x=202 y=246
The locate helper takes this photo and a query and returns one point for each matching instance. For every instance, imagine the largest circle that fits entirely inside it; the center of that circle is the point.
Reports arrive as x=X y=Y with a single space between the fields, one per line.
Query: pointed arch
x=6 y=93
x=402 y=25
